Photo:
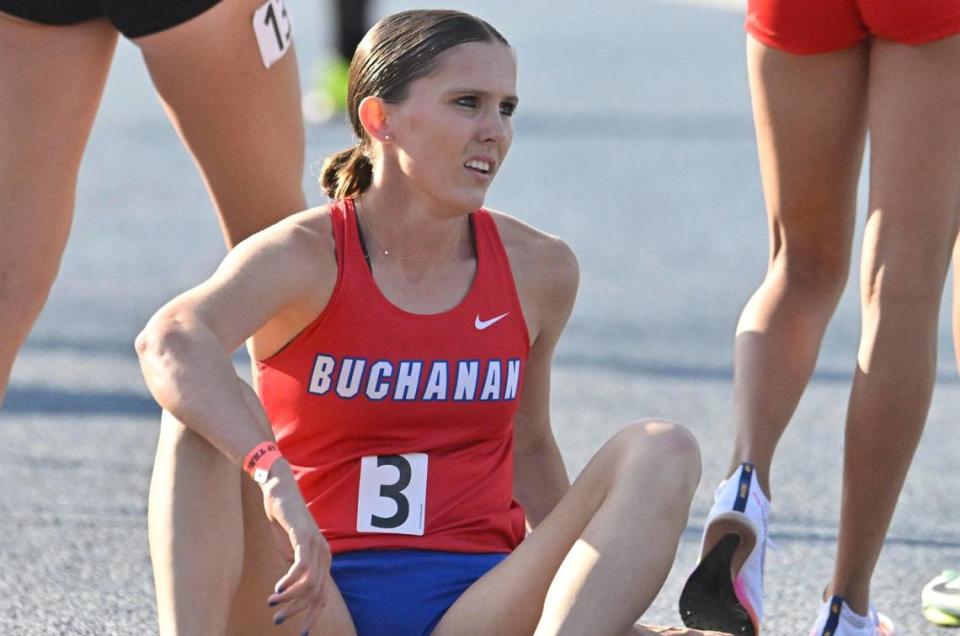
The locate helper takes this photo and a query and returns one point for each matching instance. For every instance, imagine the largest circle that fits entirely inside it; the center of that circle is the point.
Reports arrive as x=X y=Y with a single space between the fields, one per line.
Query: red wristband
x=258 y=461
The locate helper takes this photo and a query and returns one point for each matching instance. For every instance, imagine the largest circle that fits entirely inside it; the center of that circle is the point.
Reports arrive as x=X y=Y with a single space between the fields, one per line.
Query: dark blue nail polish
x=305 y=633
x=277 y=621
x=280 y=590
x=272 y=604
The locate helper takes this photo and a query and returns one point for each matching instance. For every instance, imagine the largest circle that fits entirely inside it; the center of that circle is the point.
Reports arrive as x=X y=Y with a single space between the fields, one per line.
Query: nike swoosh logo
x=483 y=324
x=947 y=588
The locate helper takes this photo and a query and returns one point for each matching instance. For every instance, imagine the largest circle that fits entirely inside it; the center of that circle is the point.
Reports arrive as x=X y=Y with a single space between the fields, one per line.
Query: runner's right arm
x=267 y=285
x=264 y=283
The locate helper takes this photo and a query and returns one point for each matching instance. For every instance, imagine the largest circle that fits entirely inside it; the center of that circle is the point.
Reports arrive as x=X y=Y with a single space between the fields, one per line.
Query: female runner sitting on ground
x=404 y=339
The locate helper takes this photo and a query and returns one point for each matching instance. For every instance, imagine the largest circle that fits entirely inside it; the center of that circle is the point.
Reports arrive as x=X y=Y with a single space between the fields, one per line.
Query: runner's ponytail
x=346 y=174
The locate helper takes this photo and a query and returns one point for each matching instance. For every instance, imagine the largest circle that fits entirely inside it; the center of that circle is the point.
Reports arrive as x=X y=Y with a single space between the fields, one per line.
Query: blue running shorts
x=405 y=592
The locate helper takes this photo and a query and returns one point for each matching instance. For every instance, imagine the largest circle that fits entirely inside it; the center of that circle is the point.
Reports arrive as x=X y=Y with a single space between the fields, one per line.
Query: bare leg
x=809 y=113
x=43 y=141
x=956 y=302
x=599 y=558
x=240 y=120
x=910 y=233
x=196 y=532
x=214 y=559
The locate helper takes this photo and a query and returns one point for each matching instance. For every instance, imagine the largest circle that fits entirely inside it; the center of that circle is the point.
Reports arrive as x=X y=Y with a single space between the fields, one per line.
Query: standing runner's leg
x=956 y=302
x=809 y=113
x=215 y=560
x=51 y=80
x=599 y=558
x=914 y=117
x=240 y=120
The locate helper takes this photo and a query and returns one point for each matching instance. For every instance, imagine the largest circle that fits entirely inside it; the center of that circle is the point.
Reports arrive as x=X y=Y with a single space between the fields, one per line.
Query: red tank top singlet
x=399 y=426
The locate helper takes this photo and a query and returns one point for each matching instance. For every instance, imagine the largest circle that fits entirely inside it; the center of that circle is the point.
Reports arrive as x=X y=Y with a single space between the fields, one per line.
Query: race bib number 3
x=274 y=30
x=393 y=494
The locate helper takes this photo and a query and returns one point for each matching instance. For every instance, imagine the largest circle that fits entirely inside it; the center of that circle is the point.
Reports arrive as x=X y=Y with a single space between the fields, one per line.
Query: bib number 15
x=393 y=493
x=274 y=31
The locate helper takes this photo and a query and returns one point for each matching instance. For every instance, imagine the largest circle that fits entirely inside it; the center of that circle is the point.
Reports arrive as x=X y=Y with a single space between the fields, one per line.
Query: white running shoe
x=837 y=619
x=941 y=599
x=725 y=591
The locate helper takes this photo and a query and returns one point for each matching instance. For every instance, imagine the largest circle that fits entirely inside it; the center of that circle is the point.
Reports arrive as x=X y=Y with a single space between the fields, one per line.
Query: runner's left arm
x=540 y=478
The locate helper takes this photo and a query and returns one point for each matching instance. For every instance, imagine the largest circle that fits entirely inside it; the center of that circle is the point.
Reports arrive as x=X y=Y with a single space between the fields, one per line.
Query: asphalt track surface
x=634 y=142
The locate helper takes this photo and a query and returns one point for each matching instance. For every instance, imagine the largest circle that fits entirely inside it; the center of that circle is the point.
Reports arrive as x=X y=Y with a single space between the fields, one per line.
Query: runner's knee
x=671 y=448
x=916 y=288
x=819 y=271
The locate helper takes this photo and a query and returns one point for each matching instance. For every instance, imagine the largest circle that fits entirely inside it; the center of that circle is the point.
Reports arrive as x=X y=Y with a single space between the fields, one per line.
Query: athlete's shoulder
x=302 y=239
x=545 y=272
x=299 y=248
x=537 y=256
x=309 y=231
x=297 y=253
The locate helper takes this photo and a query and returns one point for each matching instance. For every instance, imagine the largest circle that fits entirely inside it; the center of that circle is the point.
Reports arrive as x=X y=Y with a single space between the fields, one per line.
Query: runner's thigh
x=810 y=117
x=508 y=600
x=240 y=120
x=51 y=80
x=914 y=164
x=263 y=566
x=956 y=301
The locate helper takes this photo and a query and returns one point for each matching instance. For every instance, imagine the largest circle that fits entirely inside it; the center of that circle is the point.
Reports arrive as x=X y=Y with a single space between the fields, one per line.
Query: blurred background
x=634 y=142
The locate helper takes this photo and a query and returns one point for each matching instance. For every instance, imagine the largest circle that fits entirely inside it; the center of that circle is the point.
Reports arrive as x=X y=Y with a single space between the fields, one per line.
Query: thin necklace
x=419 y=259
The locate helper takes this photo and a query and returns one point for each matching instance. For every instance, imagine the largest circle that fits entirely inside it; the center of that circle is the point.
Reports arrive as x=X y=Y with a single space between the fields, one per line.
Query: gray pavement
x=634 y=142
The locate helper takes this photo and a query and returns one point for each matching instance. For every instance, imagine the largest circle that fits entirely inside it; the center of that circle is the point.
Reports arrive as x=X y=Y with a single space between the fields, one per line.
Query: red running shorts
x=805 y=27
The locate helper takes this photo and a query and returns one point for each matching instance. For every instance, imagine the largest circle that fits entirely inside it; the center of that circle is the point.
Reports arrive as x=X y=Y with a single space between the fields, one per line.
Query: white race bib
x=274 y=31
x=393 y=494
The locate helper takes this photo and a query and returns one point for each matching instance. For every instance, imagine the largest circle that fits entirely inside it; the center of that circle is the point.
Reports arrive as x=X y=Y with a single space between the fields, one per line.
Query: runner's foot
x=725 y=591
x=837 y=619
x=941 y=599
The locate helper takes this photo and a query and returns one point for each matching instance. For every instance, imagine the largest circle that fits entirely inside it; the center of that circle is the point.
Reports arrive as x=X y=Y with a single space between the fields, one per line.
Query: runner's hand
x=301 y=590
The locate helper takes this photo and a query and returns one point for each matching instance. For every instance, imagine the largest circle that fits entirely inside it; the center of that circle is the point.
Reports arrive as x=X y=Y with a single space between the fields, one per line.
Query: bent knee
x=671 y=446
x=822 y=273
x=666 y=437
